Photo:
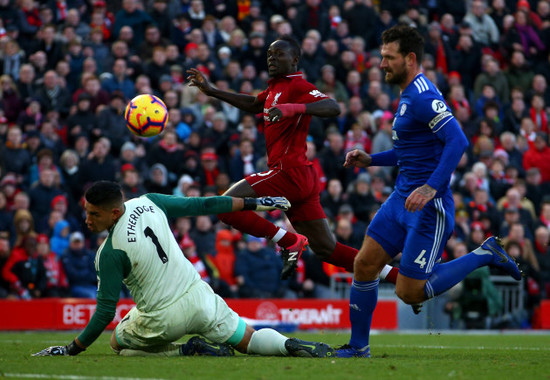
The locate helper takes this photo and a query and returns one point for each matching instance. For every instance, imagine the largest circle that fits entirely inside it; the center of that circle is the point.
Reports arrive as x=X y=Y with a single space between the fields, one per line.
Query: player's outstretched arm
x=244 y=102
x=357 y=158
x=322 y=108
x=264 y=203
x=73 y=348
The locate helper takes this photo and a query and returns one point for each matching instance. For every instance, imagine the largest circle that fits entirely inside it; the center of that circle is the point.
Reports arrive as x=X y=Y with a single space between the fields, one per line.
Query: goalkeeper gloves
x=266 y=204
x=69 y=350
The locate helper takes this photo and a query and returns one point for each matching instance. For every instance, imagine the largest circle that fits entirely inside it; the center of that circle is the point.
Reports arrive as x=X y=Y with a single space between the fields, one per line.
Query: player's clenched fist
x=357 y=158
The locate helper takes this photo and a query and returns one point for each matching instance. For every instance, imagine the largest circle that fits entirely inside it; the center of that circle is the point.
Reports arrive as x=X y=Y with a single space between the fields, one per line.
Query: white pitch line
x=72 y=377
x=464 y=347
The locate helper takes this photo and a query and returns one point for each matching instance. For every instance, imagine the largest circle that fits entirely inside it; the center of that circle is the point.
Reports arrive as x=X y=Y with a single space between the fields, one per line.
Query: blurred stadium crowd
x=69 y=67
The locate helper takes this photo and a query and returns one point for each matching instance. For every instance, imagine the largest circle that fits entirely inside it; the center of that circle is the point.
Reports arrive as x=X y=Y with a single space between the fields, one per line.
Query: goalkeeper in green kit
x=171 y=299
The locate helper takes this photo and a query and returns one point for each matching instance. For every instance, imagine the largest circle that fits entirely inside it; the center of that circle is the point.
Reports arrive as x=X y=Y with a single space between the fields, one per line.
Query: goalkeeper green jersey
x=141 y=251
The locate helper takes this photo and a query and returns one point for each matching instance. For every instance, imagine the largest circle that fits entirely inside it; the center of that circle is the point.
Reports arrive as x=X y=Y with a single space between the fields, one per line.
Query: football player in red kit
x=287 y=105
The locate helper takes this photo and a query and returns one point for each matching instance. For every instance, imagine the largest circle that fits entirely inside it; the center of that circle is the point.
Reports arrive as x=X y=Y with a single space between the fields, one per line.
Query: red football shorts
x=300 y=185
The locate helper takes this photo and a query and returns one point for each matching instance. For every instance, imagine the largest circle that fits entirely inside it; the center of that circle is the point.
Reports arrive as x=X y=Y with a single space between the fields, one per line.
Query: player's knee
x=410 y=296
x=362 y=267
x=323 y=251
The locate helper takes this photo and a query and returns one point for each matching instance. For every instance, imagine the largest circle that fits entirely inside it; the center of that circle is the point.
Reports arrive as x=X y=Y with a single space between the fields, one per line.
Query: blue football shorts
x=421 y=236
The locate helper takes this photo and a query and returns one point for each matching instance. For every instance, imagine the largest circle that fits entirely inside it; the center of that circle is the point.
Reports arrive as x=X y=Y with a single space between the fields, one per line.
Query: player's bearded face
x=396 y=74
x=393 y=64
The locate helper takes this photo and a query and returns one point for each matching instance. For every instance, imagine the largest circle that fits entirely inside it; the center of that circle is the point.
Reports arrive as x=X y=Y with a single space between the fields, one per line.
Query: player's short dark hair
x=104 y=194
x=293 y=43
x=409 y=39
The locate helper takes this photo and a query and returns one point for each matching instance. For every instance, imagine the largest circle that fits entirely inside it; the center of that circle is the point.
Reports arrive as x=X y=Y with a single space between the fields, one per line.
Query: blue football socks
x=362 y=302
x=447 y=275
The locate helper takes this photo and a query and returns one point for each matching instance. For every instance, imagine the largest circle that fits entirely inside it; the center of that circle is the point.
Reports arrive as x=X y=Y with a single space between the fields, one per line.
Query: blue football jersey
x=421 y=114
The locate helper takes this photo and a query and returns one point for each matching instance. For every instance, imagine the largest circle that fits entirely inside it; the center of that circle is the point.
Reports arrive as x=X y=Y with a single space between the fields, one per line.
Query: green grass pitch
x=394 y=356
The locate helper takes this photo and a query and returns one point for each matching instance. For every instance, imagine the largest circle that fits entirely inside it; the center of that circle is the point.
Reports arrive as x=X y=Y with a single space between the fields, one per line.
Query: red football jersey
x=286 y=139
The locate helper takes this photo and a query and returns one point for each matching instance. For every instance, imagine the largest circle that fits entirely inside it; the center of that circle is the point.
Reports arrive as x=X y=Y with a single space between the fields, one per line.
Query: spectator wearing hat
x=78 y=262
x=57 y=284
x=538 y=156
x=257 y=268
x=61 y=204
x=14 y=158
x=131 y=182
x=132 y=154
x=59 y=241
x=224 y=261
x=189 y=250
x=210 y=170
x=158 y=180
x=10 y=189
x=184 y=182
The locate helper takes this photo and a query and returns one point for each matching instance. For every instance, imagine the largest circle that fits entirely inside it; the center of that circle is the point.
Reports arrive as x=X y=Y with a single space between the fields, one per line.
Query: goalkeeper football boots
x=305 y=349
x=197 y=346
x=500 y=259
x=291 y=255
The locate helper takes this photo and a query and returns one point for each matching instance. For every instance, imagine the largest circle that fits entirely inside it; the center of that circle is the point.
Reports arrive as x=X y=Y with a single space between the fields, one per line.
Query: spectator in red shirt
x=538 y=156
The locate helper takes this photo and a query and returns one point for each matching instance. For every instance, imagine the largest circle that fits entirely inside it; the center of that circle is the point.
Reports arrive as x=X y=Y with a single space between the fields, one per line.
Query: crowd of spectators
x=69 y=67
